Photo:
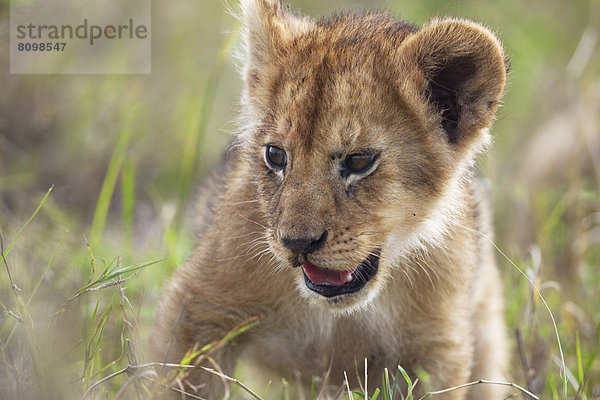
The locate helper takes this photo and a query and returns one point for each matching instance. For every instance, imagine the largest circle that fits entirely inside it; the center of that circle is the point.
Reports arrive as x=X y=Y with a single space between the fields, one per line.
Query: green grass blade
x=87 y=358
x=109 y=268
x=579 y=361
x=93 y=342
x=129 y=270
x=395 y=388
x=92 y=261
x=39 y=207
x=108 y=186
x=407 y=379
x=93 y=319
x=385 y=384
x=190 y=355
x=375 y=394
x=128 y=202
x=108 y=276
x=100 y=330
x=238 y=332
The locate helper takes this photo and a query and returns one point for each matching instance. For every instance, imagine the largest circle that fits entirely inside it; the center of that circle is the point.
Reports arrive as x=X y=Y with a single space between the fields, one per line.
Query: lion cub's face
x=359 y=130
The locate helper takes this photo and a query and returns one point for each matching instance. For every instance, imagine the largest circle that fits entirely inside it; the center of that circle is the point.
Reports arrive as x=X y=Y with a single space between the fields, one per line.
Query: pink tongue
x=322 y=276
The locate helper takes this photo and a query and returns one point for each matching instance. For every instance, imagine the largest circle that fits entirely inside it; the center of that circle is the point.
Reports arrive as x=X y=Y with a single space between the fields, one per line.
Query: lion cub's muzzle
x=331 y=283
x=305 y=245
x=328 y=282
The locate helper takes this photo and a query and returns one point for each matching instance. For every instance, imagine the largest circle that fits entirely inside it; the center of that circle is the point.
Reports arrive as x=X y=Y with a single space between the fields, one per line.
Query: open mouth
x=331 y=283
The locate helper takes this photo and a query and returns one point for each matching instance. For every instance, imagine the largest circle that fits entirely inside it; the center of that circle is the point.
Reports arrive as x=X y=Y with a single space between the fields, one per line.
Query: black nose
x=305 y=245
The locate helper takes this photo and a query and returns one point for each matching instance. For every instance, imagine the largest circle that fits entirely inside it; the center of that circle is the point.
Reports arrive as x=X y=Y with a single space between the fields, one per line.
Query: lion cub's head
x=359 y=130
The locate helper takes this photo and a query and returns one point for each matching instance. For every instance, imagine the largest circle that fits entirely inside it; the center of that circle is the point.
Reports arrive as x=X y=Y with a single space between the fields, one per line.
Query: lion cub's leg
x=469 y=354
x=194 y=314
x=448 y=363
x=490 y=352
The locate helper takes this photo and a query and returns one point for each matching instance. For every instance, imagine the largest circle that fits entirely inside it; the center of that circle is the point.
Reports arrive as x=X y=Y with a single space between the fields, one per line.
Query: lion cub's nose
x=304 y=245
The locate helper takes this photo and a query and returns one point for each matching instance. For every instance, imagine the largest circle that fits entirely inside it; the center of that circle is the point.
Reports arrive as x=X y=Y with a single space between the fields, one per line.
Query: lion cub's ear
x=268 y=27
x=459 y=70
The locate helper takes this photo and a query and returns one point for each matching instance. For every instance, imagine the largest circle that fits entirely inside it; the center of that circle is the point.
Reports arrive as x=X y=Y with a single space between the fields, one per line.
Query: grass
x=84 y=261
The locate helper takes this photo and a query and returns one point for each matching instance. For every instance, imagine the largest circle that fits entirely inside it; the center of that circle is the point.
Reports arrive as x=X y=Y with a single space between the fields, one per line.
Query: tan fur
x=322 y=91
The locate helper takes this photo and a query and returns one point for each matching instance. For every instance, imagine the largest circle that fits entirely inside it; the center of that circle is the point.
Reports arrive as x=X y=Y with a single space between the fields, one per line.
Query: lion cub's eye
x=276 y=157
x=357 y=163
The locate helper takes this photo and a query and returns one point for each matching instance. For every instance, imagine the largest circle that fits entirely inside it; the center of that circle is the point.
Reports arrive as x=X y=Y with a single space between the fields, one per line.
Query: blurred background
x=125 y=155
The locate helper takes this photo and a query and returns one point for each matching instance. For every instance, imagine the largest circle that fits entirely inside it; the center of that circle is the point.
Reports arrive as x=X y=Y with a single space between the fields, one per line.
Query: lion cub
x=348 y=217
